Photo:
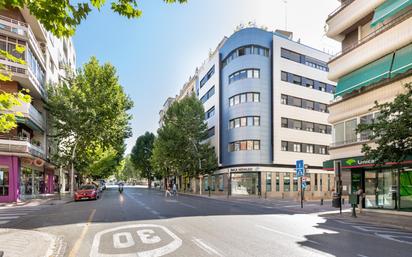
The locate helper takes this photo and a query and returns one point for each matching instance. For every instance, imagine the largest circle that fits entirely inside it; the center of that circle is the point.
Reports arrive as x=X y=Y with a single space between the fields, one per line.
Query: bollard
x=321 y=201
x=343 y=201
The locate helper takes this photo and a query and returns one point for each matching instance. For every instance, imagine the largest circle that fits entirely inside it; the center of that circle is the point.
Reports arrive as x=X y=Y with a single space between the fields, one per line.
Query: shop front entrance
x=245 y=183
x=380 y=187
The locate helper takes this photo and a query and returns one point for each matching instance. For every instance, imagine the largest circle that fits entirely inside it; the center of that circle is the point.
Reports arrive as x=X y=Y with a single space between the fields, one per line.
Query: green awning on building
x=402 y=61
x=368 y=74
x=388 y=9
x=29 y=123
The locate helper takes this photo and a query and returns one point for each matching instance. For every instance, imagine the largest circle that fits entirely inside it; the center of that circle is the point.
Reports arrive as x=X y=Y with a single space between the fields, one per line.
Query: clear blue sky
x=156 y=54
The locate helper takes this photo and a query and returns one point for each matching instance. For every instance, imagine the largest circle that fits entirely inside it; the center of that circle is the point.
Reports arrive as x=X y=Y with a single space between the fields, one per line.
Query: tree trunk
x=149 y=183
x=72 y=179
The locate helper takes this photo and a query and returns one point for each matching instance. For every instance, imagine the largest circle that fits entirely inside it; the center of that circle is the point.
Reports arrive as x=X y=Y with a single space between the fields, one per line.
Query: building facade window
x=211 y=132
x=208 y=75
x=268 y=182
x=208 y=95
x=367 y=119
x=305 y=125
x=244 y=145
x=247 y=121
x=210 y=113
x=244 y=74
x=303 y=59
x=304 y=148
x=244 y=98
x=316 y=183
x=295 y=183
x=303 y=103
x=245 y=50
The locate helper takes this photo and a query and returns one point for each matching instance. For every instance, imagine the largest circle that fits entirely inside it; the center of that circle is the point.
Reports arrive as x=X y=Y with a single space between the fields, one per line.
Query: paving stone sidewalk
x=396 y=219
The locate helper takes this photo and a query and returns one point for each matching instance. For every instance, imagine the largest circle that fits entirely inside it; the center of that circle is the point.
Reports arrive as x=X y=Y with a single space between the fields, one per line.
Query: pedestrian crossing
x=8 y=214
x=389 y=233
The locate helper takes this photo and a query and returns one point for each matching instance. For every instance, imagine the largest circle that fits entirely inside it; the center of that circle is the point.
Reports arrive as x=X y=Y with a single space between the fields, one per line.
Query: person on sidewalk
x=167 y=191
x=360 y=195
x=174 y=189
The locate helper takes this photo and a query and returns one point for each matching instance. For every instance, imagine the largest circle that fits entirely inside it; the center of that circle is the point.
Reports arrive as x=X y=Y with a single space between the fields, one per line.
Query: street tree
x=181 y=147
x=129 y=171
x=141 y=155
x=89 y=112
x=61 y=17
x=391 y=130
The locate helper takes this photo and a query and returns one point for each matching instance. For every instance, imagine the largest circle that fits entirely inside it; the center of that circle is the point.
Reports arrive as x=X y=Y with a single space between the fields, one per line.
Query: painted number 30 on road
x=142 y=240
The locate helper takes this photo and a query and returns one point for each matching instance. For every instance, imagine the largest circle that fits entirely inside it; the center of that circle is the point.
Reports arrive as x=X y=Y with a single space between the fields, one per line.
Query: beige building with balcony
x=25 y=167
x=375 y=63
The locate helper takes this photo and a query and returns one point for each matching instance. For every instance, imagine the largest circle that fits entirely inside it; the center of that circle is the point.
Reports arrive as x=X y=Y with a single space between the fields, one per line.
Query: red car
x=86 y=192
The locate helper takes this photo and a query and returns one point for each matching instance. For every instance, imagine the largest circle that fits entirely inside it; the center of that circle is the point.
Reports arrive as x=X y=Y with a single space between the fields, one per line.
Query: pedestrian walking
x=174 y=189
x=167 y=191
x=360 y=195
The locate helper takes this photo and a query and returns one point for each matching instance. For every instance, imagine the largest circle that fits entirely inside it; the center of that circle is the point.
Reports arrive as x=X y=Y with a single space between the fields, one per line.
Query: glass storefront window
x=268 y=182
x=406 y=189
x=286 y=182
x=381 y=188
x=244 y=183
x=295 y=183
x=350 y=131
x=4 y=181
x=212 y=186
x=277 y=182
x=221 y=183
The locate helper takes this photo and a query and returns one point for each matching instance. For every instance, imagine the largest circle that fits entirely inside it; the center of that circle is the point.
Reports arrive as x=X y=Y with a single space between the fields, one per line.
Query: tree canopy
x=181 y=147
x=391 y=130
x=141 y=154
x=89 y=116
x=61 y=17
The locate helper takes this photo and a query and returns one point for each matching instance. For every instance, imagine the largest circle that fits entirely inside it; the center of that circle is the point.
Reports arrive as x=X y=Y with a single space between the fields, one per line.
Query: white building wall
x=281 y=110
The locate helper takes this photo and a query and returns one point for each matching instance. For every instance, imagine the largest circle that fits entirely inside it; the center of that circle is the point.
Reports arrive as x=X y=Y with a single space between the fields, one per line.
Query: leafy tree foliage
x=141 y=154
x=391 y=131
x=89 y=116
x=61 y=17
x=10 y=100
x=180 y=148
x=128 y=171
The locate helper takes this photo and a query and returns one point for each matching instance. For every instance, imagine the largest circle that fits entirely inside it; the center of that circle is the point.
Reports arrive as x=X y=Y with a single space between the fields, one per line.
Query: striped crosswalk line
x=12 y=213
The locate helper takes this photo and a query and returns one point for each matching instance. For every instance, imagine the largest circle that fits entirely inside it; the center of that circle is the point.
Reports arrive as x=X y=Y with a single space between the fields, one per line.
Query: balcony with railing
x=30 y=74
x=387 y=38
x=29 y=112
x=21 y=145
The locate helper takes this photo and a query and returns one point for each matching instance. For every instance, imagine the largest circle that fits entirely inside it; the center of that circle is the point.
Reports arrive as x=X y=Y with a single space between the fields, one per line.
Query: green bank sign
x=359 y=161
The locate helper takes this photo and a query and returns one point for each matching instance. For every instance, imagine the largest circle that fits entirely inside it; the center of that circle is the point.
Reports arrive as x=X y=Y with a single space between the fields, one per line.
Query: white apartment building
x=25 y=151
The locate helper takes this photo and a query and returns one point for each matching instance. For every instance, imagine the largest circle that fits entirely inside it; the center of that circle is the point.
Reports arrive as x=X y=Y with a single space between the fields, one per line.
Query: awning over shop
x=368 y=74
x=388 y=9
x=402 y=61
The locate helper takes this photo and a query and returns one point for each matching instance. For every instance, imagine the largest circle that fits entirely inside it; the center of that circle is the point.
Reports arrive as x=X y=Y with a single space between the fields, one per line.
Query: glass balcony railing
x=21 y=145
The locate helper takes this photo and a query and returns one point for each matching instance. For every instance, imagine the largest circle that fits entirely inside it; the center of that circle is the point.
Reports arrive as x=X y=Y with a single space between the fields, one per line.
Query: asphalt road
x=144 y=223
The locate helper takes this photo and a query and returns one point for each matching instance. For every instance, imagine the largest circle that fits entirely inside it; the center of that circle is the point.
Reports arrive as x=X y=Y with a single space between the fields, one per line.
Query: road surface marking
x=187 y=205
x=290 y=206
x=4 y=222
x=155 y=212
x=76 y=247
x=205 y=247
x=9 y=217
x=361 y=255
x=287 y=234
x=146 y=234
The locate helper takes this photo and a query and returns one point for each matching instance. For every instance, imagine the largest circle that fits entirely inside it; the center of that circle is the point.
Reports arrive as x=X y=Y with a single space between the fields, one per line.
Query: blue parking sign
x=300 y=168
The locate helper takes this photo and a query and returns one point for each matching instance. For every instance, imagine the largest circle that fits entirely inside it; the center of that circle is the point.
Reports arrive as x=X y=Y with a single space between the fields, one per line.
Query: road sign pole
x=301 y=192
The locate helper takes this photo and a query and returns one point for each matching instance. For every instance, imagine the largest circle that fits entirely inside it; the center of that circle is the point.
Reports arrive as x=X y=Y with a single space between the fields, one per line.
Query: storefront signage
x=244 y=169
x=358 y=161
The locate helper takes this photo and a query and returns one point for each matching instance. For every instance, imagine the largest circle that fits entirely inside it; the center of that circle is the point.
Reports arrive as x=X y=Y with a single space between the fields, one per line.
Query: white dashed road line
x=205 y=247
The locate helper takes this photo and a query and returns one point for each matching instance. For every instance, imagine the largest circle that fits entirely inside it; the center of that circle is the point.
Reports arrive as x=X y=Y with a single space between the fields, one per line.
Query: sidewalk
x=49 y=200
x=388 y=218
